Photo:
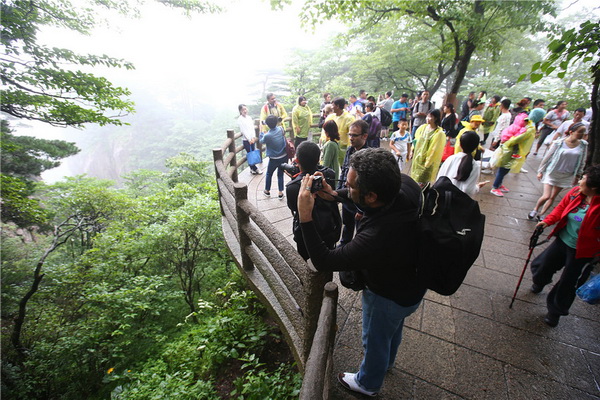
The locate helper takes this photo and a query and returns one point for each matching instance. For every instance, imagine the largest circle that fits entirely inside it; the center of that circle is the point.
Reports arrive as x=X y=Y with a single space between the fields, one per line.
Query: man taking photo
x=390 y=203
x=358 y=135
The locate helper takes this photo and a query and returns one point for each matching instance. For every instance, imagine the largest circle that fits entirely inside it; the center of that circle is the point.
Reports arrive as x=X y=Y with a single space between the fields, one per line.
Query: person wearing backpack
x=359 y=132
x=325 y=213
x=272 y=107
x=275 y=141
x=390 y=202
x=420 y=111
x=375 y=126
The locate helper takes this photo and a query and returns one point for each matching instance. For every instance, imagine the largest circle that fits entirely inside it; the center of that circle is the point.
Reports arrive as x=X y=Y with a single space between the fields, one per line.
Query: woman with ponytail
x=461 y=168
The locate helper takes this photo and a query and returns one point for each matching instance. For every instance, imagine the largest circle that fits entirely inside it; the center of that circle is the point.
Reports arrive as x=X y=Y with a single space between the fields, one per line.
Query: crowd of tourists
x=364 y=146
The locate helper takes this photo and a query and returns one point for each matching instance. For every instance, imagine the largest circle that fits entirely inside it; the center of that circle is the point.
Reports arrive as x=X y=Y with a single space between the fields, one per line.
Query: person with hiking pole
x=577 y=243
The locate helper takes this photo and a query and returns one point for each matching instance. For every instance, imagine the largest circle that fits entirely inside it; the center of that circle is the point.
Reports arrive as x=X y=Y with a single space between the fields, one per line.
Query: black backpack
x=386 y=117
x=450 y=233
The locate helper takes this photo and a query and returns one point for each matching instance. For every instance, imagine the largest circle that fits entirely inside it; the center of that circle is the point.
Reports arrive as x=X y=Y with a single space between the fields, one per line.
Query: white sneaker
x=486 y=171
x=348 y=380
x=523 y=170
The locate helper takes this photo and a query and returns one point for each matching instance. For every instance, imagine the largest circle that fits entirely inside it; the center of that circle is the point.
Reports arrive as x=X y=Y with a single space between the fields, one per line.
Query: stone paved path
x=471 y=345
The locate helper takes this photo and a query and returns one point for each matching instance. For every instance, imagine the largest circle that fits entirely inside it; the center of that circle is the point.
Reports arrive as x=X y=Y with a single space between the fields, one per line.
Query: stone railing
x=293 y=291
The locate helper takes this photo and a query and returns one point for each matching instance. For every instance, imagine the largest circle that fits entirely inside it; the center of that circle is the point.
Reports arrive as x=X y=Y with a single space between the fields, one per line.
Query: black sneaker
x=551 y=319
x=535 y=288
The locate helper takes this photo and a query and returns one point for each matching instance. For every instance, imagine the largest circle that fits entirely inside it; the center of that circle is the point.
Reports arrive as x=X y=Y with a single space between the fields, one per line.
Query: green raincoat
x=302 y=118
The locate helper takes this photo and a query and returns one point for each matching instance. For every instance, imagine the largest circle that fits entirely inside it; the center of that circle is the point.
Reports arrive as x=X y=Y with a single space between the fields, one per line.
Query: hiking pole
x=532 y=244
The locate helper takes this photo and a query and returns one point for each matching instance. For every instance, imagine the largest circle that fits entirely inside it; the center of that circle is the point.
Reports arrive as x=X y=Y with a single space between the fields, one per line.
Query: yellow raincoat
x=302 y=118
x=467 y=128
x=524 y=142
x=524 y=147
x=427 y=155
x=277 y=111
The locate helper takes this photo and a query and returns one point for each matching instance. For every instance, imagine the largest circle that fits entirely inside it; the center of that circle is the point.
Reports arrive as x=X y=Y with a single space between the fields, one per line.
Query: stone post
x=233 y=162
x=218 y=157
x=241 y=194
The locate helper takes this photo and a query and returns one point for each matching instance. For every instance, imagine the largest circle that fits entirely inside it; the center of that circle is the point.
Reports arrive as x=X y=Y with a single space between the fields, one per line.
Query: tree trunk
x=593 y=157
x=465 y=58
x=22 y=314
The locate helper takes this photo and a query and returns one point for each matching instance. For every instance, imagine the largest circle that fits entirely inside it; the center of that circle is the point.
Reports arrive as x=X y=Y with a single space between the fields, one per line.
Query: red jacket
x=588 y=240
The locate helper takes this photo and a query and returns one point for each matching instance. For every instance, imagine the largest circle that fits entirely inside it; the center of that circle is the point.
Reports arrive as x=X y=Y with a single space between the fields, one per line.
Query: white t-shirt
x=387 y=103
x=400 y=142
x=562 y=129
x=449 y=168
x=247 y=126
x=568 y=159
x=502 y=123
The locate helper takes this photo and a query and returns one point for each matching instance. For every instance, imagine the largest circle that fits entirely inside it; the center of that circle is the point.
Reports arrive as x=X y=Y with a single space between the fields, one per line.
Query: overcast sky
x=216 y=55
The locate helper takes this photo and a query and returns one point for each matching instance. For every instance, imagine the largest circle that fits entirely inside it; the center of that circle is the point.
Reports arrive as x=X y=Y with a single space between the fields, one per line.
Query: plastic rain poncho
x=427 y=155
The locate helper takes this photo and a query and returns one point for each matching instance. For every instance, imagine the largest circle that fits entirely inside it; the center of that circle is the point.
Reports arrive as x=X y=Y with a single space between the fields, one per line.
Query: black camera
x=291 y=169
x=317 y=184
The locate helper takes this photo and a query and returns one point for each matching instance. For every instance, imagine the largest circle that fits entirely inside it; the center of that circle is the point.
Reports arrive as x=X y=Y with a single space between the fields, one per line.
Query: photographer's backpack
x=450 y=233
x=386 y=117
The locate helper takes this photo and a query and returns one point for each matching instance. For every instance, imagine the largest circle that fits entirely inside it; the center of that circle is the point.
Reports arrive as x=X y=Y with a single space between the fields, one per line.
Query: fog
x=191 y=70
x=190 y=74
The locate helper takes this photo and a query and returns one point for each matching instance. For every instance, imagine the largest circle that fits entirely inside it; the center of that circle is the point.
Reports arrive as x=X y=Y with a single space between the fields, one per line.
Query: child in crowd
x=400 y=142
x=517 y=128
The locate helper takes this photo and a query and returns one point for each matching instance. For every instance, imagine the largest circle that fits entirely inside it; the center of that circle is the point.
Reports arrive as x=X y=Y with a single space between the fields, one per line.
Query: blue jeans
x=249 y=147
x=383 y=320
x=274 y=164
x=414 y=129
x=500 y=174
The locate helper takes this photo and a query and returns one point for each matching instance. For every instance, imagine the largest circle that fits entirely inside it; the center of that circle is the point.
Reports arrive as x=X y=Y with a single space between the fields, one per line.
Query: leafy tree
x=37 y=86
x=24 y=158
x=574 y=45
x=460 y=28
x=28 y=156
x=85 y=209
x=42 y=83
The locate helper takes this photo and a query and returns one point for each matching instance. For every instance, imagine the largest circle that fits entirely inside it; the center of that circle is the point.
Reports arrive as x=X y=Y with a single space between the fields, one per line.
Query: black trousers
x=575 y=273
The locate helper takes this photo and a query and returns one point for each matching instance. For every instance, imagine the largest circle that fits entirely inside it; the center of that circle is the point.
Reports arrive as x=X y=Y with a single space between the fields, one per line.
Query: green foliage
x=453 y=30
x=40 y=83
x=17 y=206
x=576 y=44
x=259 y=383
x=28 y=157
x=155 y=383
x=43 y=83
x=24 y=158
x=230 y=329
x=113 y=297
